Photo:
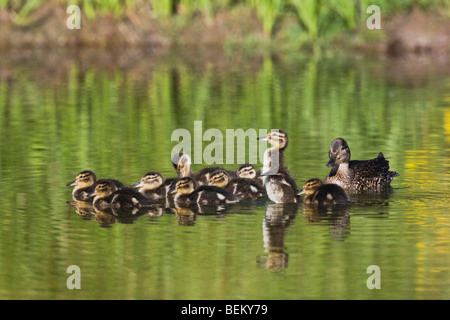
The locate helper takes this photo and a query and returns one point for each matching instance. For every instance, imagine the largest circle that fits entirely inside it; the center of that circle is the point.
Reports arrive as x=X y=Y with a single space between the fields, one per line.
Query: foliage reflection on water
x=117 y=118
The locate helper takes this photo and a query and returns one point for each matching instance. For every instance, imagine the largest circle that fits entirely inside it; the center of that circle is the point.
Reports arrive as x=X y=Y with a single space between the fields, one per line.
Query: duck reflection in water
x=327 y=203
x=278 y=218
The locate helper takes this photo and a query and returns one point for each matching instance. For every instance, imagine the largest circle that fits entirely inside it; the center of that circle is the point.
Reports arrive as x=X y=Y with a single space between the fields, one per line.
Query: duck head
x=277 y=138
x=219 y=179
x=149 y=181
x=185 y=185
x=247 y=171
x=339 y=152
x=103 y=189
x=311 y=186
x=84 y=179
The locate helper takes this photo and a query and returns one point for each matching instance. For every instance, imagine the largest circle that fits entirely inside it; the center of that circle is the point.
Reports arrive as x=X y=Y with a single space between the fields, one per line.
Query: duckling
x=248 y=171
x=355 y=175
x=187 y=192
x=153 y=186
x=242 y=188
x=323 y=194
x=280 y=186
x=85 y=183
x=182 y=164
x=107 y=195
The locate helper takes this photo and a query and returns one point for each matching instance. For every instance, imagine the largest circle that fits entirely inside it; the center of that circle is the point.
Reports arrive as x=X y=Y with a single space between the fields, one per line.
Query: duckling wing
x=331 y=194
x=246 y=189
x=212 y=195
x=282 y=188
x=128 y=197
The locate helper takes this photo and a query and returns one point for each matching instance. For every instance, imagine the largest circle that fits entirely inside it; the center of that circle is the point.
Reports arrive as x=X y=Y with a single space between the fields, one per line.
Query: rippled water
x=116 y=117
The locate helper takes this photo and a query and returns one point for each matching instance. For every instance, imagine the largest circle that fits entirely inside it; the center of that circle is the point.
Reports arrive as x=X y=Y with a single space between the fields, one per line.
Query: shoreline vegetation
x=230 y=26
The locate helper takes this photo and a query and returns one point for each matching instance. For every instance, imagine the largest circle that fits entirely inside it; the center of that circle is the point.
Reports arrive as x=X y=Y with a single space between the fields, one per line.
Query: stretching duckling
x=366 y=175
x=182 y=164
x=153 y=186
x=323 y=194
x=106 y=195
x=280 y=186
x=85 y=183
x=187 y=192
x=242 y=188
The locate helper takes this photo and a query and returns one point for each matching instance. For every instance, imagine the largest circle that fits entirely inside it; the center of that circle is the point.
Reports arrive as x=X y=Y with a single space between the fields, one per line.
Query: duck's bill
x=301 y=192
x=92 y=194
x=331 y=163
x=73 y=183
x=136 y=185
x=262 y=138
x=172 y=190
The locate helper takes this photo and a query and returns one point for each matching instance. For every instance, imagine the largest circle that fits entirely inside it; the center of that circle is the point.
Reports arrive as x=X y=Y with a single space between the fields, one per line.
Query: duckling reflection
x=82 y=208
x=278 y=218
x=185 y=215
x=104 y=218
x=336 y=217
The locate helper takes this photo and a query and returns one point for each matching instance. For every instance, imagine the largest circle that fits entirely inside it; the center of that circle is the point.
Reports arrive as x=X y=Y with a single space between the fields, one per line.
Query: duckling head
x=149 y=181
x=339 y=152
x=185 y=185
x=84 y=179
x=103 y=189
x=311 y=186
x=219 y=179
x=277 y=138
x=182 y=164
x=246 y=171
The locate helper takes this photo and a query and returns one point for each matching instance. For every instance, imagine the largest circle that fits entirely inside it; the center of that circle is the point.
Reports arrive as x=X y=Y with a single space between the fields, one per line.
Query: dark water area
x=63 y=113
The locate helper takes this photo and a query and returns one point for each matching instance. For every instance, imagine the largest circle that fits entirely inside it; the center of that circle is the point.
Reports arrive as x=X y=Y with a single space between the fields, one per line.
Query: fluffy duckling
x=182 y=164
x=153 y=186
x=323 y=194
x=242 y=188
x=85 y=183
x=186 y=192
x=355 y=175
x=248 y=171
x=106 y=195
x=280 y=186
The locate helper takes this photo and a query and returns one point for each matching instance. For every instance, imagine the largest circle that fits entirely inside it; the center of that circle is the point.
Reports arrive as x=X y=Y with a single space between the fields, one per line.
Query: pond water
x=115 y=114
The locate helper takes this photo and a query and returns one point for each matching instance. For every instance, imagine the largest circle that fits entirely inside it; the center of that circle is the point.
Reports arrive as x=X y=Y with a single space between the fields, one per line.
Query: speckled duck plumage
x=356 y=175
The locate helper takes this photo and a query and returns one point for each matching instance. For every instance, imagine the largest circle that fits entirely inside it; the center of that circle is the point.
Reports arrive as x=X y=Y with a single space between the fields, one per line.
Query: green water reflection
x=117 y=120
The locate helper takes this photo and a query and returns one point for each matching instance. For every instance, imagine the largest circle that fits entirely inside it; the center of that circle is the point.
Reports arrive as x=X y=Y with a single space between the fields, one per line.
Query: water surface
x=64 y=114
